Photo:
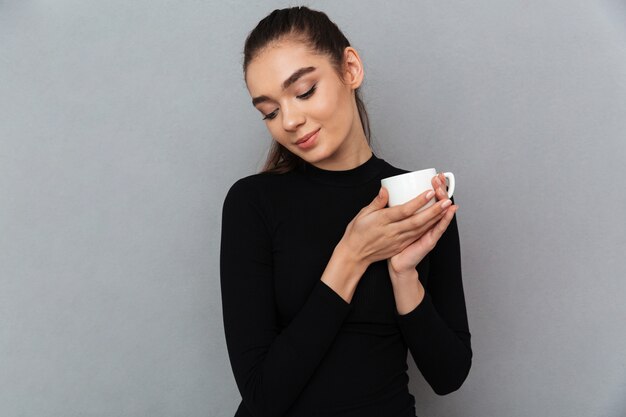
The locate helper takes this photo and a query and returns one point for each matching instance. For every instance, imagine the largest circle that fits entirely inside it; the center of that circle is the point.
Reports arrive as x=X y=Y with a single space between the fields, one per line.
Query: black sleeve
x=271 y=366
x=437 y=331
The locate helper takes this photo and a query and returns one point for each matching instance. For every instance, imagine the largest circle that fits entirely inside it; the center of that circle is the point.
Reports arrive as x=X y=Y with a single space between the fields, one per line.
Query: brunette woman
x=324 y=288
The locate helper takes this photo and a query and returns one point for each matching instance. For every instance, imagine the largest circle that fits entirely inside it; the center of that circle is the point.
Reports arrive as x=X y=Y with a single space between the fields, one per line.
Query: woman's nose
x=292 y=118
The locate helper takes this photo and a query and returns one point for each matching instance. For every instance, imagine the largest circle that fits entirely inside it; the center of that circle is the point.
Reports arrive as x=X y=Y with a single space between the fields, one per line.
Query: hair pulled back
x=315 y=29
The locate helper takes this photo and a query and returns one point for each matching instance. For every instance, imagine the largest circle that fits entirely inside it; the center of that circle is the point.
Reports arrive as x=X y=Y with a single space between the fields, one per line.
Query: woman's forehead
x=276 y=63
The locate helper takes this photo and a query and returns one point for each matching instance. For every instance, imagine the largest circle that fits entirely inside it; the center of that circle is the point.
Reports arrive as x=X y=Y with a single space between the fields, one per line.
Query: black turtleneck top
x=295 y=346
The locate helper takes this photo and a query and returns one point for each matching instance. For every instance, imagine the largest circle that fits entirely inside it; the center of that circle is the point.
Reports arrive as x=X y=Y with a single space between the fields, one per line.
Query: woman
x=324 y=288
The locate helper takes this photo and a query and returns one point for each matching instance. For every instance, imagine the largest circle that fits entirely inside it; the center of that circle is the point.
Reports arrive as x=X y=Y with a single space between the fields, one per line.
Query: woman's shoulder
x=255 y=196
x=264 y=179
x=256 y=186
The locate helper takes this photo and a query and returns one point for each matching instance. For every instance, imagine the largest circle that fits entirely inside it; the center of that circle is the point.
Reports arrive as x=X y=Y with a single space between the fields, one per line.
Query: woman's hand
x=404 y=262
x=378 y=233
x=408 y=291
x=413 y=254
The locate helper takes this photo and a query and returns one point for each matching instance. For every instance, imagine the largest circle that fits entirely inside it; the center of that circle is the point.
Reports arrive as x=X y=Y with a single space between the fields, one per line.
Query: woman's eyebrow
x=292 y=79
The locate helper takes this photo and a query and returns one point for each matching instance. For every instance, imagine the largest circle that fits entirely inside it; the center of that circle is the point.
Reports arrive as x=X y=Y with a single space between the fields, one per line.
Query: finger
x=379 y=202
x=409 y=208
x=432 y=211
x=444 y=188
x=413 y=233
x=443 y=224
x=435 y=182
x=420 y=222
x=433 y=231
x=439 y=187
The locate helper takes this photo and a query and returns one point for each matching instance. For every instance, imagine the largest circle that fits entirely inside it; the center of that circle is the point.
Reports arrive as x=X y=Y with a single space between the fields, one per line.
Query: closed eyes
x=304 y=96
x=308 y=93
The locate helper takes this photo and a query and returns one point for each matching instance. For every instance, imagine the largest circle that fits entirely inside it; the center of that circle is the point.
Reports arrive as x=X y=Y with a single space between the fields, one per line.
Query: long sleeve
x=437 y=331
x=271 y=365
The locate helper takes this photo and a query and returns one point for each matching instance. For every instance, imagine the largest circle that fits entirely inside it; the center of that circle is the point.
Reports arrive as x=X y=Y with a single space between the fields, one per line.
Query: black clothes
x=295 y=346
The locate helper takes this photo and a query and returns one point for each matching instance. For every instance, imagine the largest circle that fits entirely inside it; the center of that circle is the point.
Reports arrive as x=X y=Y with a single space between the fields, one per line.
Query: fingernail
x=430 y=194
x=446 y=204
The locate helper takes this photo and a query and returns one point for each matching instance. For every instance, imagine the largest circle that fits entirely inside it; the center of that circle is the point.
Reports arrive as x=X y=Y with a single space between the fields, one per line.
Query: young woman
x=324 y=288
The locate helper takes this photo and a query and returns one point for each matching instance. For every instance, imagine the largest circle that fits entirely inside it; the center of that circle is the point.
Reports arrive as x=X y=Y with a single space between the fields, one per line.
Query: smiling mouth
x=307 y=137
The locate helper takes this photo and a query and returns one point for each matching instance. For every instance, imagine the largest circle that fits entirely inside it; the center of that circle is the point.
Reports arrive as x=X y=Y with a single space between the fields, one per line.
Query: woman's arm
x=436 y=330
x=271 y=366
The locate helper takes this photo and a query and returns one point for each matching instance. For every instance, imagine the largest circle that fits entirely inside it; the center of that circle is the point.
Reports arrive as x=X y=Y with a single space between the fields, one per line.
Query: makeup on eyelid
x=304 y=96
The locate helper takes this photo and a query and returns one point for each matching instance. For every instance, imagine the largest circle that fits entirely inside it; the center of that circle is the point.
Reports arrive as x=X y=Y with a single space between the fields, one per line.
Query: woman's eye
x=308 y=93
x=271 y=115
x=304 y=96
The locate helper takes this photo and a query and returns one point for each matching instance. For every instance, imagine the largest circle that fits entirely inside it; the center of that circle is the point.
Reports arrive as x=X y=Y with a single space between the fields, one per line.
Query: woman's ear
x=352 y=68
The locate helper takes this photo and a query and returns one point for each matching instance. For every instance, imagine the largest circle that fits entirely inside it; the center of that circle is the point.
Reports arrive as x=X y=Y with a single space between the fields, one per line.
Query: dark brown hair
x=315 y=29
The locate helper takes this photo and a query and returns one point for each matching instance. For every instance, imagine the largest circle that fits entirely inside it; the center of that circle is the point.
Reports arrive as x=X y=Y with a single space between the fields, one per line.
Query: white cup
x=404 y=187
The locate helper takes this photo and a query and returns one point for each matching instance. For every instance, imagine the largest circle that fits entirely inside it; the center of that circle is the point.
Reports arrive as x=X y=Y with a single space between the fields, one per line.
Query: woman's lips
x=308 y=142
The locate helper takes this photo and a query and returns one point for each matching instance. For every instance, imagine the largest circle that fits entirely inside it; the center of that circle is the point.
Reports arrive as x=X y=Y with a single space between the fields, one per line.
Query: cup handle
x=450 y=177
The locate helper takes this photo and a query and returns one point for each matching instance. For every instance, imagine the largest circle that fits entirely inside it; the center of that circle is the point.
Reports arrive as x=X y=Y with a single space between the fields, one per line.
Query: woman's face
x=299 y=94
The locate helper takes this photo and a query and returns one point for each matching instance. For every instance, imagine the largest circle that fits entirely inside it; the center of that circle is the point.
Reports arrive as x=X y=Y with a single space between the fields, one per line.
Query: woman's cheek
x=323 y=109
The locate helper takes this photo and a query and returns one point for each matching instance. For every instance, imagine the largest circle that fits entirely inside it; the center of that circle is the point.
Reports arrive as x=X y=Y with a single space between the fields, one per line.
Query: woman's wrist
x=350 y=255
x=408 y=291
x=401 y=274
x=344 y=271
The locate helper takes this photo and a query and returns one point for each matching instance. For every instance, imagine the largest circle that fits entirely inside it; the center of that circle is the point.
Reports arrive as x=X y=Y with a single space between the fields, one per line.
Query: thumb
x=379 y=202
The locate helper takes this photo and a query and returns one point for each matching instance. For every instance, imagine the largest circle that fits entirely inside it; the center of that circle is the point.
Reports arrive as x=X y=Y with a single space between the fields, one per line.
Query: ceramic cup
x=404 y=187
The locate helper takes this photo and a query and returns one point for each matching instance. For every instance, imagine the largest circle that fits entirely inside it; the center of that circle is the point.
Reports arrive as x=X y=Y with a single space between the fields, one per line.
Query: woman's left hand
x=406 y=260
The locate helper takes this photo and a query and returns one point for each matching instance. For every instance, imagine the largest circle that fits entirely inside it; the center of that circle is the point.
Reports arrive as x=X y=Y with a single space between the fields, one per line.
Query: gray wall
x=123 y=124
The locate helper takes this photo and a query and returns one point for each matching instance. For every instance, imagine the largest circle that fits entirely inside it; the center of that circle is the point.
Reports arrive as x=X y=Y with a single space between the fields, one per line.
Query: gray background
x=123 y=124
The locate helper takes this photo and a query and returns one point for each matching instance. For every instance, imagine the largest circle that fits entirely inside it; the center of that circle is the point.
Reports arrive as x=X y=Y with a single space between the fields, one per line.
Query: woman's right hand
x=378 y=232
